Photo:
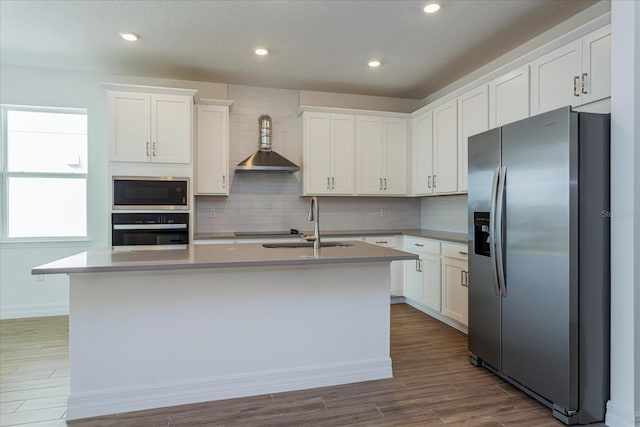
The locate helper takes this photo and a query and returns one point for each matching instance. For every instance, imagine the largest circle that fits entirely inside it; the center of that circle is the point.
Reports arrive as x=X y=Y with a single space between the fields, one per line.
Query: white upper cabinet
x=328 y=145
x=382 y=155
x=574 y=74
x=423 y=154
x=212 y=150
x=146 y=127
x=445 y=148
x=509 y=97
x=473 y=118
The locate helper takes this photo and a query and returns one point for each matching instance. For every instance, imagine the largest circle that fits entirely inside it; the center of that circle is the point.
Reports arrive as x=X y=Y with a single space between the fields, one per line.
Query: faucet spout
x=314 y=215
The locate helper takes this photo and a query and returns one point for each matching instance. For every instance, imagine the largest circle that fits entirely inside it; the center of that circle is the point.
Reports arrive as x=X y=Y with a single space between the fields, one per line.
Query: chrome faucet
x=314 y=215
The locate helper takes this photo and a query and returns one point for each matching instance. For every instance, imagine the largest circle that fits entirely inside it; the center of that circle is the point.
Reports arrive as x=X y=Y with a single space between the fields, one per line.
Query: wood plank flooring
x=433 y=385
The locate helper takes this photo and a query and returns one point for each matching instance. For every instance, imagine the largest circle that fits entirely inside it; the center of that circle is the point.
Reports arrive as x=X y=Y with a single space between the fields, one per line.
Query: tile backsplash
x=261 y=201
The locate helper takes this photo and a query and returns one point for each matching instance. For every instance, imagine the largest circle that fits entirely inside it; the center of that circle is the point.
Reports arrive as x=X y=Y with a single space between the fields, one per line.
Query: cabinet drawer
x=420 y=245
x=386 y=241
x=453 y=250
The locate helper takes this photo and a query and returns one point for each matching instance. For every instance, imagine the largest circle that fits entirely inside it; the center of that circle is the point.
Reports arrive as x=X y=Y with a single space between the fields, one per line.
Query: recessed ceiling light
x=374 y=63
x=432 y=8
x=261 y=51
x=130 y=37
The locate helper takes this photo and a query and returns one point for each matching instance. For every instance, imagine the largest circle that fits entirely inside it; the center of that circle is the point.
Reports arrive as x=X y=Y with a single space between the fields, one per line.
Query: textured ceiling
x=315 y=45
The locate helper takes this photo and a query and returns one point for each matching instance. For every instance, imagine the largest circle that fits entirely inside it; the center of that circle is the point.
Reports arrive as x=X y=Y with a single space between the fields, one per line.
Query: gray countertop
x=215 y=256
x=418 y=232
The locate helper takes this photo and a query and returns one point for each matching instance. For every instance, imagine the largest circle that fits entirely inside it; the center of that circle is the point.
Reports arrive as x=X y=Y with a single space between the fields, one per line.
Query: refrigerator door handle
x=499 y=228
x=492 y=230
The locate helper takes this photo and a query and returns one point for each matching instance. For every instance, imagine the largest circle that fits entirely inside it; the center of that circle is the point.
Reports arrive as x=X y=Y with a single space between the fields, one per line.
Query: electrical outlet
x=212 y=213
x=383 y=211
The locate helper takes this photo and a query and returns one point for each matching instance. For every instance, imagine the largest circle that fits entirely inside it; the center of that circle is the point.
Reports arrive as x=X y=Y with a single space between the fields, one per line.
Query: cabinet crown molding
x=314 y=109
x=150 y=89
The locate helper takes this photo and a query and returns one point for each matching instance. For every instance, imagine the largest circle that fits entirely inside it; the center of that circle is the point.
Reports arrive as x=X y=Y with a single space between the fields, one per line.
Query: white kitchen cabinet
x=445 y=148
x=423 y=154
x=147 y=127
x=422 y=276
x=574 y=74
x=473 y=118
x=455 y=283
x=509 y=97
x=328 y=145
x=397 y=267
x=381 y=166
x=212 y=150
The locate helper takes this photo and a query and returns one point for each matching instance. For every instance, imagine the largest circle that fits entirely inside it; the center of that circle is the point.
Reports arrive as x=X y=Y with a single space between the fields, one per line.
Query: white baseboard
x=618 y=416
x=436 y=315
x=44 y=310
x=83 y=405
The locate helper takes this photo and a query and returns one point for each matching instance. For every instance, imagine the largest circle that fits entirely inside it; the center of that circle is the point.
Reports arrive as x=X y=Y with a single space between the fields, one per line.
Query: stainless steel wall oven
x=130 y=229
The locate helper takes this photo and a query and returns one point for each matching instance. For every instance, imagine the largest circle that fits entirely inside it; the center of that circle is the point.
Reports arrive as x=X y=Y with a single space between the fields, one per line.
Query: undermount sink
x=307 y=245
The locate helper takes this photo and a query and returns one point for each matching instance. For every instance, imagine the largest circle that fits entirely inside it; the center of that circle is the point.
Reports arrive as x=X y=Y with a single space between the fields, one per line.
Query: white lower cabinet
x=422 y=276
x=436 y=283
x=397 y=267
x=455 y=283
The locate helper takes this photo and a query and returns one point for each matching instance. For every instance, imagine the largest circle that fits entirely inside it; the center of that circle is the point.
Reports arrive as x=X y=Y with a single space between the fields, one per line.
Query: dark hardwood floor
x=433 y=385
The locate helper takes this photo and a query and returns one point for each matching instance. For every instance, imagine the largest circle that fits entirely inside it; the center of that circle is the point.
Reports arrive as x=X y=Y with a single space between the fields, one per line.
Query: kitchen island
x=154 y=328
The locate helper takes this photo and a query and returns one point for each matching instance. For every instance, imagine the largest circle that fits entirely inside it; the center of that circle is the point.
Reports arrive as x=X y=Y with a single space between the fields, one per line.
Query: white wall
x=624 y=407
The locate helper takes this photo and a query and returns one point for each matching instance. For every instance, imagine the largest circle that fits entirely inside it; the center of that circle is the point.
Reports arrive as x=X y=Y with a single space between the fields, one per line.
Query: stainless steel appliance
x=265 y=159
x=130 y=229
x=539 y=259
x=150 y=193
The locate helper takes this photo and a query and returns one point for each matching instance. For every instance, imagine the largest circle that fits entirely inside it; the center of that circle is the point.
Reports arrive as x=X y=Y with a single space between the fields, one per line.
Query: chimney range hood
x=266 y=160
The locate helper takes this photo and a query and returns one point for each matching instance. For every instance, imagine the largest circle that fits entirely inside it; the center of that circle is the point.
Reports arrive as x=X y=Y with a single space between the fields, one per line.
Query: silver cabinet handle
x=385 y=183
x=575 y=85
x=463 y=253
x=418 y=244
x=417 y=265
x=381 y=241
x=584 y=83
x=224 y=179
x=333 y=183
x=147 y=148
x=434 y=181
x=464 y=279
x=153 y=149
x=328 y=185
x=380 y=179
x=429 y=181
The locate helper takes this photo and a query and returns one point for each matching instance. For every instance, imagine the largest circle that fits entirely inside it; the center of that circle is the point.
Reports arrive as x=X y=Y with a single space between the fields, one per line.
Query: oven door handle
x=150 y=226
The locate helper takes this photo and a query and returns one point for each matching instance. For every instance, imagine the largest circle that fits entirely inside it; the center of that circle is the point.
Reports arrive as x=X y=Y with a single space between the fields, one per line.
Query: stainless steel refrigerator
x=539 y=259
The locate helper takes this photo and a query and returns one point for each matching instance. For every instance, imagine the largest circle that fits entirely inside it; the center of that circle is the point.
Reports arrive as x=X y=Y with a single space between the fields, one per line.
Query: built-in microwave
x=150 y=193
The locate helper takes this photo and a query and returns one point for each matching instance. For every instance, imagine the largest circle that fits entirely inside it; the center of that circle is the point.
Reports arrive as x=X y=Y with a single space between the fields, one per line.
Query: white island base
x=148 y=339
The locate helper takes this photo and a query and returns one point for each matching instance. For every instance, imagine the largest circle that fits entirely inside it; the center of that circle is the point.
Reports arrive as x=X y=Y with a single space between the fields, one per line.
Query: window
x=44 y=173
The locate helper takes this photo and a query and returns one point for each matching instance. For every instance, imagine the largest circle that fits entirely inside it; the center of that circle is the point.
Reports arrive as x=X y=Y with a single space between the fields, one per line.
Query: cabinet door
x=454 y=290
x=129 y=126
x=171 y=128
x=423 y=154
x=342 y=154
x=555 y=78
x=596 y=65
x=473 y=118
x=509 y=97
x=397 y=267
x=431 y=277
x=413 y=280
x=395 y=156
x=369 y=136
x=317 y=153
x=445 y=142
x=212 y=150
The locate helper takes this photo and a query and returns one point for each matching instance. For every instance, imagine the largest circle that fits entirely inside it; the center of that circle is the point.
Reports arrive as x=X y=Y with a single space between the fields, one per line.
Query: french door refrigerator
x=539 y=259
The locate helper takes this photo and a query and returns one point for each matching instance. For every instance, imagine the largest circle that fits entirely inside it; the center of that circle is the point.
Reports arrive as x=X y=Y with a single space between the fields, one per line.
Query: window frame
x=5 y=174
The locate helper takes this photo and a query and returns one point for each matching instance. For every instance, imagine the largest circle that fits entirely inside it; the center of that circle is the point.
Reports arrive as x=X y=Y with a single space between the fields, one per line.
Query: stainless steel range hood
x=266 y=160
